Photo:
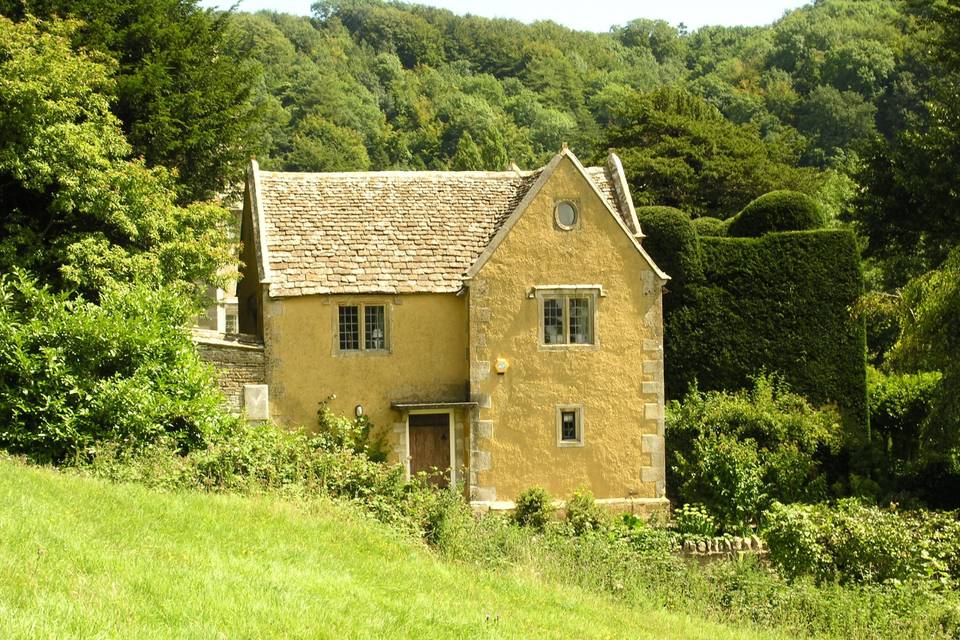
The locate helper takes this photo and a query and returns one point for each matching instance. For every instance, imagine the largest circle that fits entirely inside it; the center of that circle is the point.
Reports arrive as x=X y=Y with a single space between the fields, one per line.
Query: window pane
x=349 y=328
x=553 y=321
x=581 y=321
x=374 y=328
x=568 y=425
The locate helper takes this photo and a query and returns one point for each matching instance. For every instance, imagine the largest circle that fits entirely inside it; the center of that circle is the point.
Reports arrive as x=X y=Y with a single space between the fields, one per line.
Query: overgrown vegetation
x=736 y=453
x=855 y=543
x=75 y=376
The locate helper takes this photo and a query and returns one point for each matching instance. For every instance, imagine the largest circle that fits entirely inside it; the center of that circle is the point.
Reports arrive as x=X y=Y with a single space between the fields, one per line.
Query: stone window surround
x=593 y=291
x=578 y=409
x=361 y=303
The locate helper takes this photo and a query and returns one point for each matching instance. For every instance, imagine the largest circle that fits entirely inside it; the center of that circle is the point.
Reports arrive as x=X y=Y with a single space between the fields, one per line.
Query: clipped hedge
x=707 y=226
x=780 y=303
x=673 y=241
x=777 y=211
x=738 y=306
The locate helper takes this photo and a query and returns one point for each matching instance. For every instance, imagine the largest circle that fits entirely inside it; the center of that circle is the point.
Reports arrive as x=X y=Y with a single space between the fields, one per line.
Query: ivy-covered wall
x=777 y=303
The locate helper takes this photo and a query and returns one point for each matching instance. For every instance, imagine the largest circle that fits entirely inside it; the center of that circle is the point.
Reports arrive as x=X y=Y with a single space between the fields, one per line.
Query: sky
x=585 y=15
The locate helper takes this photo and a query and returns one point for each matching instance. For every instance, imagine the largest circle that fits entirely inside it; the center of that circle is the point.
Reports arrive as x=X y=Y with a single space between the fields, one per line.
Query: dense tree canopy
x=182 y=102
x=75 y=210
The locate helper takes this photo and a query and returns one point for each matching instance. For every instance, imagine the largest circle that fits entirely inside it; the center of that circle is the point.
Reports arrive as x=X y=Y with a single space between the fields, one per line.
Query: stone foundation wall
x=239 y=361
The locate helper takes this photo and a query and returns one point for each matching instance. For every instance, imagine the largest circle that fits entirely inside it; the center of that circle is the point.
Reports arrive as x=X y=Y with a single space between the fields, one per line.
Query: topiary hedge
x=777 y=211
x=672 y=238
x=737 y=306
x=707 y=226
x=778 y=302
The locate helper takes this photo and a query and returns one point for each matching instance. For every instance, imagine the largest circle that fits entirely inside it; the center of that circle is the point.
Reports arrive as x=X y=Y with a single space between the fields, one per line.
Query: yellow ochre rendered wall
x=427 y=361
x=618 y=383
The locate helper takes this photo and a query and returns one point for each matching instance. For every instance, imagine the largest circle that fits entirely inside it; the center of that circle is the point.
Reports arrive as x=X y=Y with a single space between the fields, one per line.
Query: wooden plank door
x=430 y=446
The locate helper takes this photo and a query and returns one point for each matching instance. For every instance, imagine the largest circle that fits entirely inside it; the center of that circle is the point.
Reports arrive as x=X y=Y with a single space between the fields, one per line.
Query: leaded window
x=568 y=319
x=374 y=327
x=553 y=321
x=349 y=327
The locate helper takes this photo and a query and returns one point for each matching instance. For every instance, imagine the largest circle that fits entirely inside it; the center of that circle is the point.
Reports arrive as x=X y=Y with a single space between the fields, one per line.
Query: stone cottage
x=502 y=327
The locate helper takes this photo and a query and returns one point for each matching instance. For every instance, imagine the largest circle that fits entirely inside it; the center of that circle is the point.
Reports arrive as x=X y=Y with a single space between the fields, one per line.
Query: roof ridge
x=403 y=174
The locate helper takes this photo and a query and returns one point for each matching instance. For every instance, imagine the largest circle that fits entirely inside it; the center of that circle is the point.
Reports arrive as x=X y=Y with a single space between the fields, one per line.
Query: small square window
x=569 y=426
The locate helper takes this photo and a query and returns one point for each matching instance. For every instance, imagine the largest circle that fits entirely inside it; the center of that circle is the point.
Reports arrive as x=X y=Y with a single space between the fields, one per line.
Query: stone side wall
x=239 y=361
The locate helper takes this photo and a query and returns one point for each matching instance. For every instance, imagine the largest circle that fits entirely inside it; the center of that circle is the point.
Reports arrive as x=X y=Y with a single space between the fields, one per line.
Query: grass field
x=84 y=559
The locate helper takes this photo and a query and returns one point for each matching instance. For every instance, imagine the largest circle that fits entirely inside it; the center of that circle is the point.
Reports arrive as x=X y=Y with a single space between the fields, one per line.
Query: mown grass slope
x=82 y=558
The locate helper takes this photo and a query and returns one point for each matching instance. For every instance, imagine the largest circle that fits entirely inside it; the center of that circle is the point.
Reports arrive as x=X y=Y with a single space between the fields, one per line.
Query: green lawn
x=85 y=559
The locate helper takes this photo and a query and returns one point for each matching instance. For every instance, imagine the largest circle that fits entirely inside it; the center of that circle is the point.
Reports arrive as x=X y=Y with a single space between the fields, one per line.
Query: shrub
x=583 y=513
x=777 y=211
x=672 y=241
x=734 y=452
x=357 y=434
x=899 y=406
x=727 y=476
x=792 y=536
x=707 y=226
x=75 y=375
x=693 y=520
x=855 y=543
x=645 y=538
x=533 y=508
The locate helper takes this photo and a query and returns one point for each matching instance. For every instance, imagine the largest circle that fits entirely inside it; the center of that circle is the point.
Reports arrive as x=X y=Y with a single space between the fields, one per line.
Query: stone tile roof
x=386 y=232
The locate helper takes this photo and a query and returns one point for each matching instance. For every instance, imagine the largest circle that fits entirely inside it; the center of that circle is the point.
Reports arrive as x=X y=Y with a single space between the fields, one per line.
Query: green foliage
x=584 y=514
x=929 y=319
x=727 y=475
x=75 y=211
x=777 y=211
x=388 y=28
x=900 y=405
x=908 y=209
x=707 y=226
x=694 y=520
x=672 y=240
x=320 y=145
x=678 y=150
x=184 y=105
x=358 y=434
x=735 y=452
x=861 y=544
x=534 y=508
x=467 y=156
x=779 y=302
x=75 y=376
x=644 y=537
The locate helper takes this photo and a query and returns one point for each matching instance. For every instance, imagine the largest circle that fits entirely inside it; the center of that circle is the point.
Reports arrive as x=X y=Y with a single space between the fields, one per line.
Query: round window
x=566 y=215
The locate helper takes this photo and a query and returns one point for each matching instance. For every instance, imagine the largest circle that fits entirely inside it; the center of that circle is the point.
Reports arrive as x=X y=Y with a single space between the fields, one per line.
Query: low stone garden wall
x=722 y=547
